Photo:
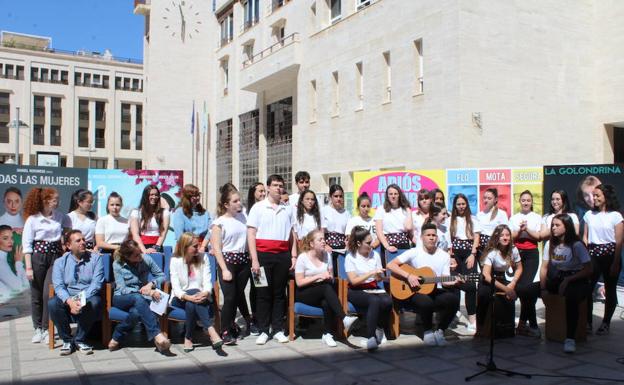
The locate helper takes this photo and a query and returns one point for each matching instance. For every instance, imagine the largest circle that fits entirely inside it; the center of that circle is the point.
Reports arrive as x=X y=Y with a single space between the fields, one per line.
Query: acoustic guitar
x=401 y=289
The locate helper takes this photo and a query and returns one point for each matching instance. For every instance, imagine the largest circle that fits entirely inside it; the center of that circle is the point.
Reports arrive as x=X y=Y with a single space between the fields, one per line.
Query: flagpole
x=193 y=143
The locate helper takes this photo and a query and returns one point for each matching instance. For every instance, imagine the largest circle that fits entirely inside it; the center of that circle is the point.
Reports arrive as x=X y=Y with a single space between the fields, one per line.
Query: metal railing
x=286 y=41
x=91 y=54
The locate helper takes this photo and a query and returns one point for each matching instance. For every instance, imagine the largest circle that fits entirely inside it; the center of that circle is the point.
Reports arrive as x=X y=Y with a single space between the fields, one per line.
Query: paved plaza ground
x=307 y=361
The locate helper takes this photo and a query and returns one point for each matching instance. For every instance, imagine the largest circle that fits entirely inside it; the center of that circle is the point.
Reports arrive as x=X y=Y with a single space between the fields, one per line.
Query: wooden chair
x=397 y=307
x=556 y=319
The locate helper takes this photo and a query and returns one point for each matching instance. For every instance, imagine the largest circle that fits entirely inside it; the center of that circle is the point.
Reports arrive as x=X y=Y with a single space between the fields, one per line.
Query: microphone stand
x=490 y=366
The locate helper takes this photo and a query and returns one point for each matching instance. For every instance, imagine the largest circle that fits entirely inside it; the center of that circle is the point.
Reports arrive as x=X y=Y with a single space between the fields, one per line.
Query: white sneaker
x=472 y=328
x=569 y=345
x=329 y=340
x=280 y=337
x=439 y=337
x=429 y=339
x=37 y=337
x=371 y=343
x=348 y=321
x=45 y=337
x=262 y=339
x=380 y=336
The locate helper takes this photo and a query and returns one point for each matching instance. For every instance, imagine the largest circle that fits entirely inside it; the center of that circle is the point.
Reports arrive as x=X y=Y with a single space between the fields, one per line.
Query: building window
x=125 y=126
x=251 y=14
x=34 y=74
x=100 y=124
x=224 y=152
x=39 y=119
x=55 y=135
x=38 y=135
x=77 y=78
x=8 y=71
x=359 y=85
x=83 y=123
x=56 y=121
x=363 y=3
x=249 y=124
x=39 y=107
x=227 y=28
x=54 y=76
x=139 y=127
x=20 y=72
x=335 y=10
x=64 y=77
x=279 y=139
x=335 y=94
x=98 y=163
x=618 y=145
x=5 y=109
x=313 y=101
x=418 y=56
x=387 y=91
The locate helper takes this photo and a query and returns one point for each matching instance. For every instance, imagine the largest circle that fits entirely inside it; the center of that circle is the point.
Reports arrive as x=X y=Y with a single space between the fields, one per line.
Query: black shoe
x=235 y=331
x=228 y=339
x=253 y=329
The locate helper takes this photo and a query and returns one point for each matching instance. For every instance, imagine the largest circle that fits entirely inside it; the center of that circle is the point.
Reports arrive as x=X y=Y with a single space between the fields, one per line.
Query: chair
x=113 y=314
x=106 y=261
x=177 y=314
x=300 y=309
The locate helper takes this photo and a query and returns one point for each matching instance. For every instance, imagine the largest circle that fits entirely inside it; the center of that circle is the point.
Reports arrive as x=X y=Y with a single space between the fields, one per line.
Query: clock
x=181 y=20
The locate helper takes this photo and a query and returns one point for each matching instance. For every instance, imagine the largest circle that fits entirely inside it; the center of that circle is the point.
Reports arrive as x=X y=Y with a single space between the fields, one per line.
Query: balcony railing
x=92 y=54
x=286 y=41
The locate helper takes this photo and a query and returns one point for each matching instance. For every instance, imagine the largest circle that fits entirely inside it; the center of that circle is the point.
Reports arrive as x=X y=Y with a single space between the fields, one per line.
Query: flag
x=204 y=120
x=197 y=133
x=193 y=119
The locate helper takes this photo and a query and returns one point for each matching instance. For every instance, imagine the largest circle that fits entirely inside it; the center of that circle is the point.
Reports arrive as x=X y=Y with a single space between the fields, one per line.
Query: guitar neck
x=441 y=279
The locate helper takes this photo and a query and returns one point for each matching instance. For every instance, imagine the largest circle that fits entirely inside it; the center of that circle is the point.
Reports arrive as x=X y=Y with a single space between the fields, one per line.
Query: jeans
x=378 y=307
x=194 y=311
x=322 y=295
x=138 y=309
x=271 y=300
x=61 y=316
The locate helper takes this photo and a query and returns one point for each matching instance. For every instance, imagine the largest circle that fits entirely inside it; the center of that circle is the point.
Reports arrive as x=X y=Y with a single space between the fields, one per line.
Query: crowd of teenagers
x=272 y=237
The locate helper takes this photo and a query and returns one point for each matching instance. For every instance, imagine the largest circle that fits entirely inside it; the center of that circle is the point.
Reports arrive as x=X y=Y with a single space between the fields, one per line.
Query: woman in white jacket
x=191 y=289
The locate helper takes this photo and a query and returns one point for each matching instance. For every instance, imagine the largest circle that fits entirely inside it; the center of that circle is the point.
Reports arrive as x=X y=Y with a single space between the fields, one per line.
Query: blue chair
x=111 y=313
x=178 y=314
x=300 y=309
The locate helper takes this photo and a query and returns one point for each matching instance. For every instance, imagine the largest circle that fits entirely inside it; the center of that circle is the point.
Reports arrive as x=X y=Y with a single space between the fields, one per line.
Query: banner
x=130 y=184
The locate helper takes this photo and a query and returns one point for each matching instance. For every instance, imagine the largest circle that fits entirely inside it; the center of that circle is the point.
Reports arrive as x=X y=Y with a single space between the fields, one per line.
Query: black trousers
x=602 y=257
x=442 y=301
x=42 y=278
x=271 y=300
x=530 y=264
x=322 y=295
x=470 y=288
x=378 y=308
x=234 y=293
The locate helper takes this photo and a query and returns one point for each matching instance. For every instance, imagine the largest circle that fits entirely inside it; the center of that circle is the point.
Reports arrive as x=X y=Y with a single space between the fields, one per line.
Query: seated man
x=77 y=277
x=443 y=301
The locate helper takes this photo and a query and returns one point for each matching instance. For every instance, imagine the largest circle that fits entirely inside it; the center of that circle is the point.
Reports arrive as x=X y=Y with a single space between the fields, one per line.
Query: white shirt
x=498 y=263
x=114 y=229
x=418 y=219
x=304 y=265
x=86 y=226
x=180 y=280
x=439 y=261
x=393 y=221
x=360 y=265
x=460 y=227
x=271 y=223
x=40 y=228
x=335 y=221
x=359 y=221
x=487 y=225
x=533 y=221
x=308 y=225
x=152 y=229
x=233 y=233
x=601 y=226
x=15 y=221
x=547 y=219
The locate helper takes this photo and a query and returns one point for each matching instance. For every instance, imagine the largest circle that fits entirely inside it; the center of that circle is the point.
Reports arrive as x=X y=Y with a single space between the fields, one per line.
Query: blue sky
x=90 y=25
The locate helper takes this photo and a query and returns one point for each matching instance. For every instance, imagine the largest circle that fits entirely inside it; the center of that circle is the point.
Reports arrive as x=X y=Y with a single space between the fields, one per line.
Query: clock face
x=181 y=20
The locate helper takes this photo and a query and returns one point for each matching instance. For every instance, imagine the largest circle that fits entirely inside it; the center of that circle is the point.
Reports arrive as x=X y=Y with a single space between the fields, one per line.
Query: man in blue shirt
x=77 y=278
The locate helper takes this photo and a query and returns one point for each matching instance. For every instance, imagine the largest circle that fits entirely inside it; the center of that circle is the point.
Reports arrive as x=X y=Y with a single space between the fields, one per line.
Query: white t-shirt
x=15 y=221
x=487 y=225
x=444 y=236
x=152 y=229
x=393 y=221
x=335 y=221
x=308 y=224
x=86 y=226
x=359 y=264
x=304 y=265
x=460 y=227
x=601 y=226
x=533 y=221
x=439 y=261
x=359 y=221
x=271 y=223
x=233 y=233
x=566 y=258
x=418 y=219
x=498 y=263
x=547 y=219
x=114 y=229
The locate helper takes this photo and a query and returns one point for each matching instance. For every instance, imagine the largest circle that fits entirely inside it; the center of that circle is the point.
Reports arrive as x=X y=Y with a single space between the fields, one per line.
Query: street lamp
x=90 y=150
x=17 y=124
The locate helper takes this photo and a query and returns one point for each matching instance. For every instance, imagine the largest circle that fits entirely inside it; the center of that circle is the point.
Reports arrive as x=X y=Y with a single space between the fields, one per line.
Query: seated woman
x=191 y=289
x=133 y=293
x=499 y=255
x=566 y=269
x=315 y=284
x=364 y=271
